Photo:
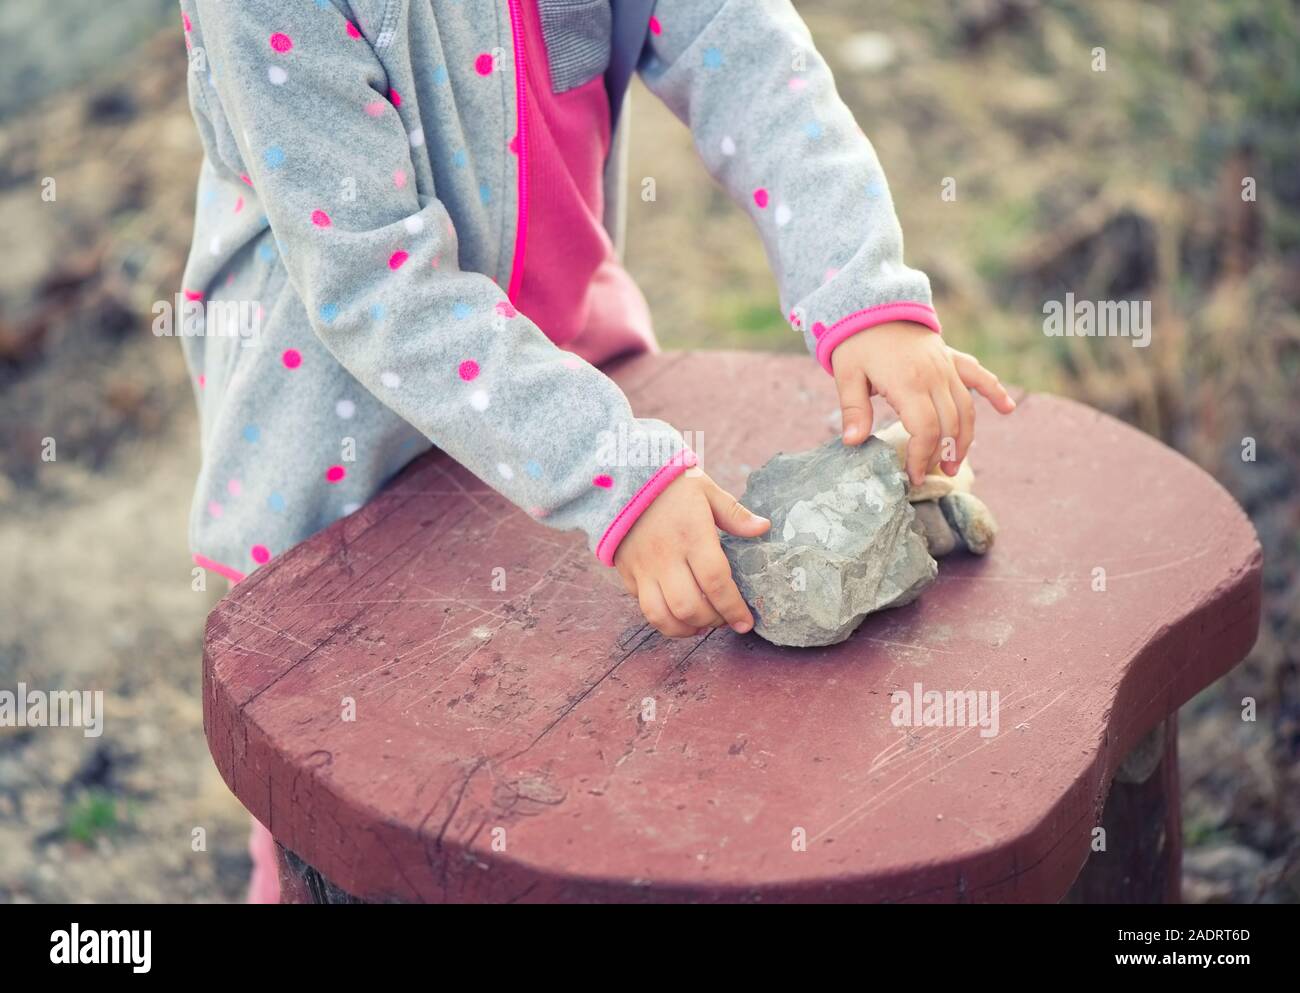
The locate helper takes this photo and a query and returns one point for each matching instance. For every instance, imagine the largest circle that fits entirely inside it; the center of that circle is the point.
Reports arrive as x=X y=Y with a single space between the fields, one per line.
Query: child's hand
x=673 y=563
x=924 y=380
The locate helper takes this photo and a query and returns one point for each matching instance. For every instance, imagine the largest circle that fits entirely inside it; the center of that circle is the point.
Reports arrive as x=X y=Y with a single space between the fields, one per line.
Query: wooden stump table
x=410 y=730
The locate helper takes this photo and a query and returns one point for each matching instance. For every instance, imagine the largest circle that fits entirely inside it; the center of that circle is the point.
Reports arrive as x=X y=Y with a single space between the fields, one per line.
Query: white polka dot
x=390 y=379
x=276 y=75
x=214 y=246
x=350 y=508
x=728 y=146
x=417 y=137
x=505 y=470
x=479 y=400
x=414 y=224
x=783 y=215
x=345 y=409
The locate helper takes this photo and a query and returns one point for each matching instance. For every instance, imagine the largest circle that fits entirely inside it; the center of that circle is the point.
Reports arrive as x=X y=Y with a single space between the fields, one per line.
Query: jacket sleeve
x=744 y=76
x=320 y=140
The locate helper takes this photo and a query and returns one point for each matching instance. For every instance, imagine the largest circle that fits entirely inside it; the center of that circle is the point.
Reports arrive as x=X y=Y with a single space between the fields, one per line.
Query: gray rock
x=842 y=544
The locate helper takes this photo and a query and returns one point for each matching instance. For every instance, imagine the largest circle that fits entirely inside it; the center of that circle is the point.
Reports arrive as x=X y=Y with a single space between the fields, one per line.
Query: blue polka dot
x=377 y=312
x=713 y=58
x=813 y=129
x=459 y=158
x=276 y=502
x=209 y=196
x=485 y=193
x=274 y=156
x=875 y=189
x=440 y=76
x=533 y=469
x=328 y=312
x=266 y=252
x=252 y=432
x=462 y=310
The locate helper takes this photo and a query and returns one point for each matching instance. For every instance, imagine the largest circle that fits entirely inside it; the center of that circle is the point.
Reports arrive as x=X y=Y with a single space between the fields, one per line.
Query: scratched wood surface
x=499 y=750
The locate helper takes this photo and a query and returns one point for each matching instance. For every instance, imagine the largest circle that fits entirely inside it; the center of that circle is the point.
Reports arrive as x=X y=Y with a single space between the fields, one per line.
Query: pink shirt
x=573 y=287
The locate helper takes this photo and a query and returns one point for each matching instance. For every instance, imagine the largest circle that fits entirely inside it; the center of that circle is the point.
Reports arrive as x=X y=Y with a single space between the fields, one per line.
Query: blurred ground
x=1115 y=184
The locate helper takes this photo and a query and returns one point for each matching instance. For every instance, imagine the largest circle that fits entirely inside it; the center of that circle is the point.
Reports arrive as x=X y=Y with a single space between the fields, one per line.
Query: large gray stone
x=842 y=543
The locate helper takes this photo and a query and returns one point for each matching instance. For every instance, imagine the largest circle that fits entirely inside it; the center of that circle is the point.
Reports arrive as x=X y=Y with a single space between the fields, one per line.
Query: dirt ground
x=1114 y=184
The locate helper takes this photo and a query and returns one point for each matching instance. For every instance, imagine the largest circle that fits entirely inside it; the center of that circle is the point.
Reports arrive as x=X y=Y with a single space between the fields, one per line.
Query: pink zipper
x=521 y=102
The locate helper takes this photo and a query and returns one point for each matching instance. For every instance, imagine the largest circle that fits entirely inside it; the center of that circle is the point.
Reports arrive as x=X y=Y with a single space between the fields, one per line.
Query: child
x=418 y=196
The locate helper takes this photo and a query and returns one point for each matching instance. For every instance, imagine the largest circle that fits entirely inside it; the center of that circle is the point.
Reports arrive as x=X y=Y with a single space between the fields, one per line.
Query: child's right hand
x=672 y=560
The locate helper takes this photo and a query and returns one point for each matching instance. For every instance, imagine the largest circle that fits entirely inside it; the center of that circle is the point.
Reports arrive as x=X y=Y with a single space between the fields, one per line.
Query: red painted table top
x=499 y=749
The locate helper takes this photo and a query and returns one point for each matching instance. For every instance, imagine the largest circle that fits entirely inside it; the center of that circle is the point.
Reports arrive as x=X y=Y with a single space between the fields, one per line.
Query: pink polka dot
x=760 y=197
x=830 y=274
x=397 y=259
x=261 y=554
x=215 y=509
x=468 y=370
x=655 y=26
x=193 y=295
x=798 y=83
x=483 y=64
x=376 y=108
x=281 y=42
x=239 y=205
x=437 y=261
x=603 y=481
x=399 y=178
x=819 y=329
x=185 y=19
x=234 y=487
x=321 y=219
x=505 y=308
x=395 y=97
x=203 y=381
x=353 y=30
x=794 y=320
x=335 y=473
x=571 y=363
x=247 y=181
x=292 y=358
x=538 y=511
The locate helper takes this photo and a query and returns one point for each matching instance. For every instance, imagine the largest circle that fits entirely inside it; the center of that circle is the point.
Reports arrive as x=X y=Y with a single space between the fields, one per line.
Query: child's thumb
x=733 y=516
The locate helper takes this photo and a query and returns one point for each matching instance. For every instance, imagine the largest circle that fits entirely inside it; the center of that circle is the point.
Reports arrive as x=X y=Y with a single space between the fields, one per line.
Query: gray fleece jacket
x=358 y=210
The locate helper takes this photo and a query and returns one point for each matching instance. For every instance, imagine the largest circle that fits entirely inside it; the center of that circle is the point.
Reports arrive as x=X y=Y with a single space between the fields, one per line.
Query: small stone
x=939 y=535
x=842 y=543
x=971 y=519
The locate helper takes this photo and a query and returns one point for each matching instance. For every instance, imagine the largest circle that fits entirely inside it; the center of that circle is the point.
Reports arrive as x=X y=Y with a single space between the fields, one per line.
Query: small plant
x=92 y=815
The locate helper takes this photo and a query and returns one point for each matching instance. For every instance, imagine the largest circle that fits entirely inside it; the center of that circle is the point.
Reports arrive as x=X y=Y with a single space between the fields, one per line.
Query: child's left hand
x=923 y=379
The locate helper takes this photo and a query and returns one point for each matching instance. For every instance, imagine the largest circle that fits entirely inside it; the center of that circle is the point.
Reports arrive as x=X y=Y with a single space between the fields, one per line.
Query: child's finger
x=855 y=404
x=687 y=601
x=983 y=382
x=713 y=573
x=922 y=423
x=732 y=516
x=966 y=413
x=949 y=426
x=655 y=610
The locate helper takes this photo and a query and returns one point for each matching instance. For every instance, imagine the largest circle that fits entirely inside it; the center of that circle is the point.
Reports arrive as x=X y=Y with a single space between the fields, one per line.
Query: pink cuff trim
x=234 y=575
x=917 y=313
x=655 y=485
